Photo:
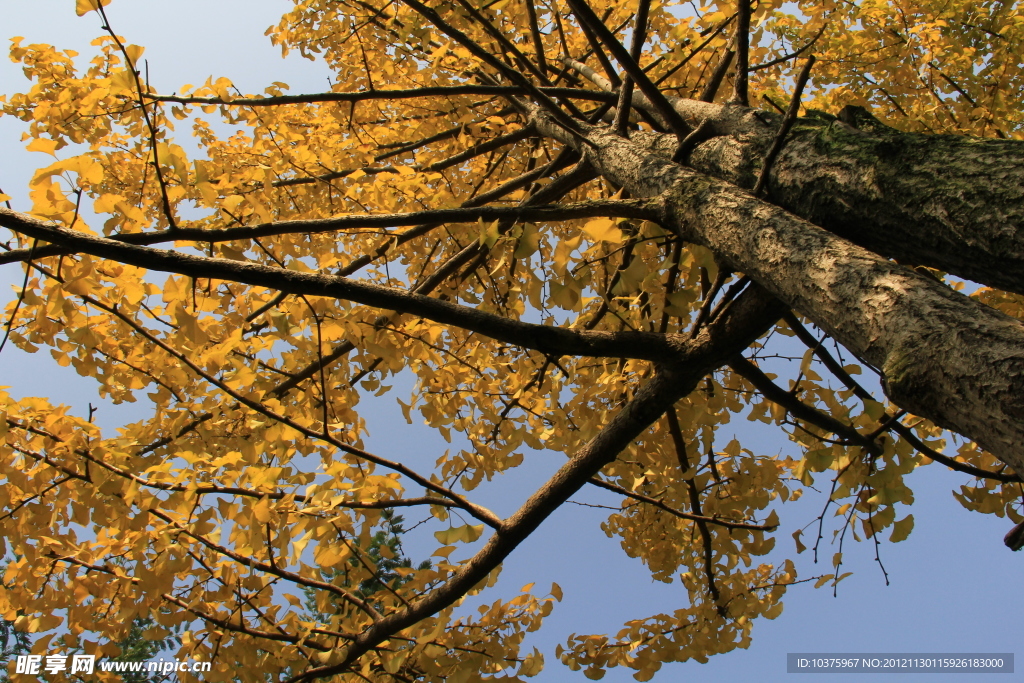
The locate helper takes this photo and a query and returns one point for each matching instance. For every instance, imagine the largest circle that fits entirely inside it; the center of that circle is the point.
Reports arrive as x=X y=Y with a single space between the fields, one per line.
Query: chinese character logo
x=82 y=664
x=28 y=664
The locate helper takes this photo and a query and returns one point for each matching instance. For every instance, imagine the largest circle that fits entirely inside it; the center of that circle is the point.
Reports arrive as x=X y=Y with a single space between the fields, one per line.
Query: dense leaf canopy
x=474 y=205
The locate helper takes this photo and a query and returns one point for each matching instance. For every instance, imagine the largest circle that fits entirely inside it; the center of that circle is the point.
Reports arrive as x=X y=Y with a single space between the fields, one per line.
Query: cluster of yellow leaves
x=109 y=532
x=696 y=632
x=921 y=65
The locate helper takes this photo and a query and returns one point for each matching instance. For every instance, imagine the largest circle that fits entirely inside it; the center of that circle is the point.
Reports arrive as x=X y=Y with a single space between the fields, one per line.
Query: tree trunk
x=941 y=355
x=950 y=202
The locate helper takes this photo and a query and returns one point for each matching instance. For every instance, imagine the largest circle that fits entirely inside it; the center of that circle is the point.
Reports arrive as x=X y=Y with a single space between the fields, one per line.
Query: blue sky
x=954 y=586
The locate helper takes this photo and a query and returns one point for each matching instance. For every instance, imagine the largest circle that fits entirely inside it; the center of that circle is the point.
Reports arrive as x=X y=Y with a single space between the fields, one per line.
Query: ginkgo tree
x=590 y=231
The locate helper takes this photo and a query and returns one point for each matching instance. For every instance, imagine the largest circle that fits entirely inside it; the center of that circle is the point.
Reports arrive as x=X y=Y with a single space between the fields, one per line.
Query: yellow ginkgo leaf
x=44 y=145
x=83 y=6
x=603 y=229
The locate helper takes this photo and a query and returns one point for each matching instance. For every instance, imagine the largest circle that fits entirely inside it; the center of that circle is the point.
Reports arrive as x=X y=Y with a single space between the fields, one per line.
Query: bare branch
x=442 y=164
x=712 y=34
x=739 y=94
x=837 y=369
x=675 y=122
x=791 y=55
x=511 y=74
x=717 y=76
x=535 y=35
x=553 y=191
x=800 y=410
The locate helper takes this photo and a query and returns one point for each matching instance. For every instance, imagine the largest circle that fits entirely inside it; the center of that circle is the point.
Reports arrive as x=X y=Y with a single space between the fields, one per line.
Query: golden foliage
x=249 y=480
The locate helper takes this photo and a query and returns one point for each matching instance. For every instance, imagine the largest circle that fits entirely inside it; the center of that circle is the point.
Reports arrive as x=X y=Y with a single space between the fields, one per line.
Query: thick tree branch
x=598 y=51
x=733 y=331
x=535 y=35
x=639 y=100
x=739 y=93
x=714 y=82
x=546 y=339
x=839 y=371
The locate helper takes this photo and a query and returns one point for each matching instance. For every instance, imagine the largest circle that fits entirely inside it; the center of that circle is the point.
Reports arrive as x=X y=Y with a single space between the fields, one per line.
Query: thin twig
x=150 y=125
x=21 y=296
x=791 y=55
x=697 y=50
